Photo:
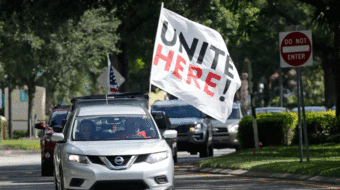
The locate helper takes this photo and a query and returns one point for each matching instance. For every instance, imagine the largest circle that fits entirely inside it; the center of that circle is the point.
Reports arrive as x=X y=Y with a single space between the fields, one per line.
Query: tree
x=32 y=48
x=328 y=12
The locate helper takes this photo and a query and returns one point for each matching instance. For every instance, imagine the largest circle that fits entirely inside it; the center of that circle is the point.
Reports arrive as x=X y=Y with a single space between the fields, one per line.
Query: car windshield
x=182 y=111
x=235 y=114
x=57 y=118
x=117 y=127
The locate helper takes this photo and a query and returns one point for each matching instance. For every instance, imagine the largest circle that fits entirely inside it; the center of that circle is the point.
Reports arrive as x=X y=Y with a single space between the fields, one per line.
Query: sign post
x=296 y=51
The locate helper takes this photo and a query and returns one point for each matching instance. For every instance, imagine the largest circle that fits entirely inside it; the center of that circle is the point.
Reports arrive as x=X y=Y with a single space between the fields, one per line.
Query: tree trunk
x=10 y=119
x=336 y=65
x=244 y=90
x=31 y=94
x=328 y=81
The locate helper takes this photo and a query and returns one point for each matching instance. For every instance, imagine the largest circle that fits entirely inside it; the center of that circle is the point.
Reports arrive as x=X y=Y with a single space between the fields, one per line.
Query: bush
x=320 y=125
x=17 y=134
x=273 y=129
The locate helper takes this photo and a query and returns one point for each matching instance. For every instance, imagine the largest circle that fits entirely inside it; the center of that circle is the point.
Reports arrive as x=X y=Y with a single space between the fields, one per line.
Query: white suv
x=112 y=147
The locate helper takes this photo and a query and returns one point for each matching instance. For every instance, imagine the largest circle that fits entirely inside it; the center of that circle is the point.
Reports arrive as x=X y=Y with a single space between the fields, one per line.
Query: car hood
x=119 y=147
x=229 y=122
x=184 y=121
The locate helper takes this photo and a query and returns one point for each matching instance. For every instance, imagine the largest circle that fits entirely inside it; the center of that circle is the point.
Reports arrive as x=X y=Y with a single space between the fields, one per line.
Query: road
x=22 y=172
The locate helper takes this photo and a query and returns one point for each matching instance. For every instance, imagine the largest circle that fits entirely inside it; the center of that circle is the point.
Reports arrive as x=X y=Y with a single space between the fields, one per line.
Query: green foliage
x=17 y=134
x=324 y=160
x=82 y=47
x=273 y=129
x=24 y=144
x=320 y=126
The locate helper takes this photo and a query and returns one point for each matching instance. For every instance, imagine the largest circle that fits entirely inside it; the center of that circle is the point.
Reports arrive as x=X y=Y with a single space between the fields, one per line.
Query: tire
x=175 y=157
x=46 y=169
x=56 y=186
x=55 y=183
x=211 y=150
x=61 y=179
x=204 y=152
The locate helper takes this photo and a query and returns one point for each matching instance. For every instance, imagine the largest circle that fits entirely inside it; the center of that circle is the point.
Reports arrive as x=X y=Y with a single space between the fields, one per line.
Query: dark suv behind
x=163 y=123
x=47 y=146
x=194 y=129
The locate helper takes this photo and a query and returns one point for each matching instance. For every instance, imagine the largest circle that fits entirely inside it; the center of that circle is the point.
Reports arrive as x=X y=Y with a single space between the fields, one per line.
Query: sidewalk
x=193 y=167
x=11 y=152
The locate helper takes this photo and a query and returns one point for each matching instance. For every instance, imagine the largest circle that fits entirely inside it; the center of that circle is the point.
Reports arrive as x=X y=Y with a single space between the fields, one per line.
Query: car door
x=58 y=150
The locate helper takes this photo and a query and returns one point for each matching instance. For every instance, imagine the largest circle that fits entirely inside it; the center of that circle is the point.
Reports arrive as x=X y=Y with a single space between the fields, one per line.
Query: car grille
x=120 y=185
x=111 y=159
x=183 y=128
x=222 y=129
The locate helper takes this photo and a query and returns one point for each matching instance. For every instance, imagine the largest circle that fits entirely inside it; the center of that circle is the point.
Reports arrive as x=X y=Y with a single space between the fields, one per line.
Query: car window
x=235 y=114
x=114 y=127
x=183 y=111
x=57 y=117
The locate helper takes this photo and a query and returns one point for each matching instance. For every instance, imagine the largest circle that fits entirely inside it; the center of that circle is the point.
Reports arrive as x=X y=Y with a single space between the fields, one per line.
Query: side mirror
x=57 y=128
x=63 y=122
x=57 y=137
x=40 y=125
x=170 y=134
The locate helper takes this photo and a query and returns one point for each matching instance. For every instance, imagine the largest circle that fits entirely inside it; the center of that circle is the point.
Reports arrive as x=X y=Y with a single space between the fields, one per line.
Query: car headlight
x=233 y=129
x=80 y=159
x=198 y=126
x=156 y=157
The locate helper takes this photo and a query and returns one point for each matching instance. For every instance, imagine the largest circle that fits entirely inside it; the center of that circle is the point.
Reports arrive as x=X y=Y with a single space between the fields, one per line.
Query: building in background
x=20 y=107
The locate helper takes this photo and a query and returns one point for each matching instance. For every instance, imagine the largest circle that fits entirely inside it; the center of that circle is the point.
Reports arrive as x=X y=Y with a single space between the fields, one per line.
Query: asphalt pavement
x=32 y=155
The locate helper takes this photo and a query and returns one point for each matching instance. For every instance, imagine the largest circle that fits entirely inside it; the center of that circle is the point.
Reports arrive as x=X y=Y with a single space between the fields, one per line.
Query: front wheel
x=46 y=169
x=175 y=156
x=211 y=150
x=59 y=185
x=204 y=152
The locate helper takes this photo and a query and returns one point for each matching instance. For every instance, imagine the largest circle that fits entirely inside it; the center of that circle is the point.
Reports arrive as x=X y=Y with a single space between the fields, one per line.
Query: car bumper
x=96 y=176
x=190 y=141
x=229 y=141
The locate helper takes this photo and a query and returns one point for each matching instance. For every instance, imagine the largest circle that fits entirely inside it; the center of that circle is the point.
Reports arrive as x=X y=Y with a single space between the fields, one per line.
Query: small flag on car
x=113 y=86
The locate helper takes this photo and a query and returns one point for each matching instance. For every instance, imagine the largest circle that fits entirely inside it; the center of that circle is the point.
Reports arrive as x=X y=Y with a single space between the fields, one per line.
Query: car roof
x=271 y=108
x=311 y=109
x=174 y=102
x=179 y=102
x=110 y=110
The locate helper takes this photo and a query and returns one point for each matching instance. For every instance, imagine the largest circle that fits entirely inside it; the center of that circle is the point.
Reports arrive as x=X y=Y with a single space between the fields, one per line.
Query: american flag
x=113 y=86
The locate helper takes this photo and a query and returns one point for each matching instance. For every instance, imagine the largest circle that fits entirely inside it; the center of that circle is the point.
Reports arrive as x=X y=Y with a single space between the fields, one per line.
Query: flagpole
x=108 y=74
x=151 y=67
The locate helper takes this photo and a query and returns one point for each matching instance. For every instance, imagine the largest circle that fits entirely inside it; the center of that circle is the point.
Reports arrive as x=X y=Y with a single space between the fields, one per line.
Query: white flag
x=192 y=62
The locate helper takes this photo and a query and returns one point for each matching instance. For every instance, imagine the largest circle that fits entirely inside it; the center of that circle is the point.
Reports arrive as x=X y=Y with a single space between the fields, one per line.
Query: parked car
x=53 y=125
x=112 y=147
x=311 y=109
x=193 y=126
x=163 y=124
x=269 y=110
x=225 y=134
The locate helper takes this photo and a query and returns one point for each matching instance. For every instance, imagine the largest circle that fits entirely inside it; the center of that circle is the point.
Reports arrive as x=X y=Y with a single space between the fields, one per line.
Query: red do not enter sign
x=296 y=48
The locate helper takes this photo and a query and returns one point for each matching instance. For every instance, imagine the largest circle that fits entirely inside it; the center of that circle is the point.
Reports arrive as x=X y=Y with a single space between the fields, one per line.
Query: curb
x=252 y=174
x=11 y=153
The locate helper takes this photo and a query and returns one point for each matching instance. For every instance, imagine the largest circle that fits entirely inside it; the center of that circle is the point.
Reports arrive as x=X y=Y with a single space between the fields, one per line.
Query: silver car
x=112 y=147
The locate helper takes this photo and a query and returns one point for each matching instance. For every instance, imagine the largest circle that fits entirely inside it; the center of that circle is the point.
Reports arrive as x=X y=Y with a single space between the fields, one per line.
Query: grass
x=324 y=160
x=24 y=144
